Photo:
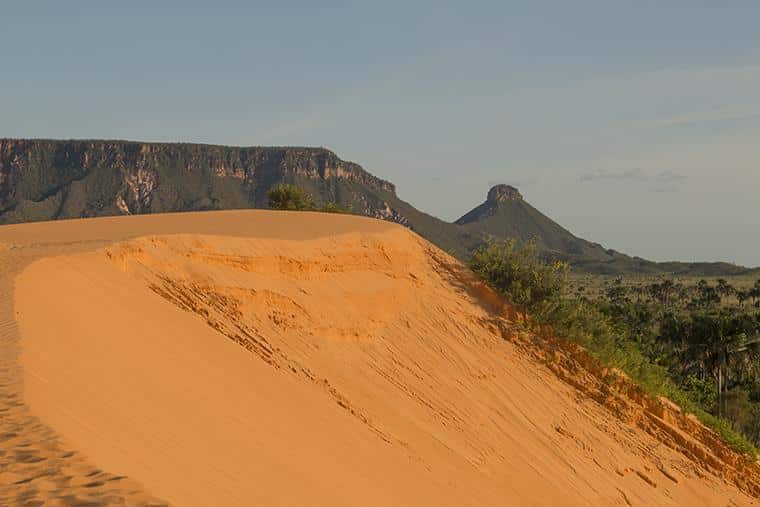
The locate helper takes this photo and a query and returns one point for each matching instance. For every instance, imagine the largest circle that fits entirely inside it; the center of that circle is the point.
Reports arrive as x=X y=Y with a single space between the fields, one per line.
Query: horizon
x=615 y=122
x=373 y=174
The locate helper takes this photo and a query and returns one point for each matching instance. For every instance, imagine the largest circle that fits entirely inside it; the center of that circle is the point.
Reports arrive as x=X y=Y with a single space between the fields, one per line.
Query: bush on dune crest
x=289 y=197
x=292 y=198
x=516 y=271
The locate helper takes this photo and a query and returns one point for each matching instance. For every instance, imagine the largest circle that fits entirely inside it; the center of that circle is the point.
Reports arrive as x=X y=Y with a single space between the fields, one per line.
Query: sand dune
x=264 y=358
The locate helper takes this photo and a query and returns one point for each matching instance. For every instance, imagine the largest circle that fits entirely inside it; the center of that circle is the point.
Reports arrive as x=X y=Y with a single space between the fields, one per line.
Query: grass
x=583 y=324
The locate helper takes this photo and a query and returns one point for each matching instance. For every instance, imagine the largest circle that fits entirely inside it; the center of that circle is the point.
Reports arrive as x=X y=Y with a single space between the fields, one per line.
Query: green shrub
x=515 y=270
x=703 y=392
x=289 y=197
x=292 y=198
x=334 y=207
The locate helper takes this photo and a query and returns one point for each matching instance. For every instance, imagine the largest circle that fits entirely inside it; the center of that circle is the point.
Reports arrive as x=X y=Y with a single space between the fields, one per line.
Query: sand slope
x=263 y=358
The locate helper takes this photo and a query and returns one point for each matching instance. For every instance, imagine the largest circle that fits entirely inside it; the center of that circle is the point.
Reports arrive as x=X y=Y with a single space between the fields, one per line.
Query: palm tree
x=723 y=288
x=742 y=296
x=724 y=345
x=754 y=293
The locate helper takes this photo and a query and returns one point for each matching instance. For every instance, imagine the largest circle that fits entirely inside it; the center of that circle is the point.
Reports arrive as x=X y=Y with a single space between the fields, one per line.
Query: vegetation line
x=696 y=345
x=290 y=197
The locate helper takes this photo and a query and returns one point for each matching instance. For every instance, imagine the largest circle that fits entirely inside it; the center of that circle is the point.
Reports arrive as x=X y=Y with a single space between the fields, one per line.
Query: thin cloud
x=670 y=176
x=668 y=181
x=604 y=175
x=697 y=117
x=660 y=181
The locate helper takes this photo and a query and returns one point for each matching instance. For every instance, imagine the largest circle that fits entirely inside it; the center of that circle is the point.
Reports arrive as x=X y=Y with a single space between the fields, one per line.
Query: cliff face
x=41 y=180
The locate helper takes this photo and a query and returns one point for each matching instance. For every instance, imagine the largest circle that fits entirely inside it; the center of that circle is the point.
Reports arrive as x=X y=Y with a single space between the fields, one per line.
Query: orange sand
x=264 y=358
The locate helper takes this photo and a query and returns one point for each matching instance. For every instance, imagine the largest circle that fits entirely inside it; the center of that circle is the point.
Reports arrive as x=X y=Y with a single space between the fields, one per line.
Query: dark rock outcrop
x=503 y=193
x=42 y=180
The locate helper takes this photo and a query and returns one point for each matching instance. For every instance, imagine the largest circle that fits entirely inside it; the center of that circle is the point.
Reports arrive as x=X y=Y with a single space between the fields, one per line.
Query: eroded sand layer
x=260 y=358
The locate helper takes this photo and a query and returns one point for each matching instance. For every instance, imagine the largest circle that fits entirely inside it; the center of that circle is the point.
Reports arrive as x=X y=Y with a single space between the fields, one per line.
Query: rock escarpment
x=43 y=180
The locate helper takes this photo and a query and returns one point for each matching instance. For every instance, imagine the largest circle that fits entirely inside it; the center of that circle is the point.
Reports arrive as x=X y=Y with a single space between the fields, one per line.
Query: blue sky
x=633 y=124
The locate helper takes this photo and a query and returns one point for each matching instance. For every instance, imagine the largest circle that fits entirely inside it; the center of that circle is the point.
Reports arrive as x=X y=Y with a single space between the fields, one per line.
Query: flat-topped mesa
x=242 y=163
x=48 y=179
x=503 y=193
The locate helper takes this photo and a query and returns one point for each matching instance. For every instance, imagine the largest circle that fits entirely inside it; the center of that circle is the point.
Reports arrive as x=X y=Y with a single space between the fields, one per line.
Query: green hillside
x=505 y=214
